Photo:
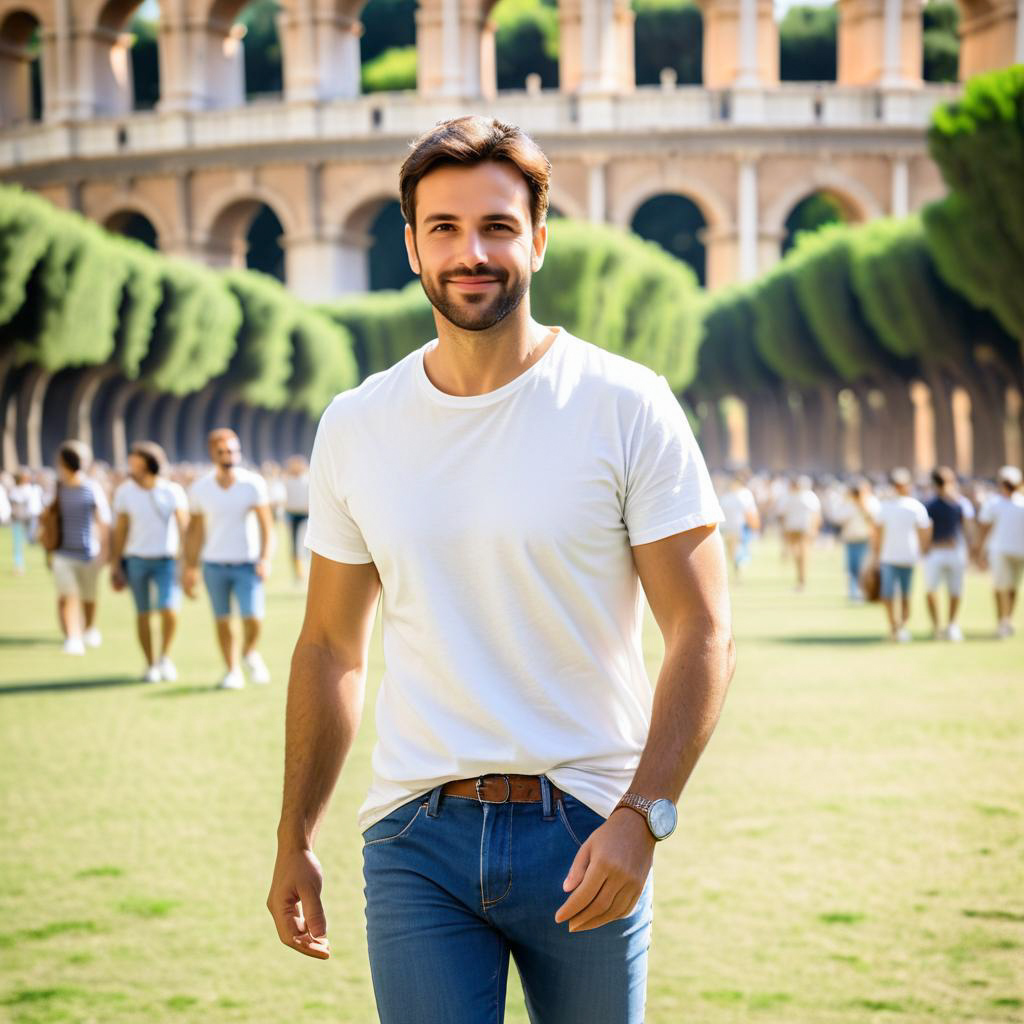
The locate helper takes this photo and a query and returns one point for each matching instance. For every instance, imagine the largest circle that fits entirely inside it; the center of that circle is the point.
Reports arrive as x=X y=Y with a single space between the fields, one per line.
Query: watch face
x=662 y=818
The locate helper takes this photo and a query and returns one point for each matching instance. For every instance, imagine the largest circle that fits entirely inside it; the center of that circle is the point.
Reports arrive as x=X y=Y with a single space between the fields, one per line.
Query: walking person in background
x=856 y=517
x=296 y=507
x=952 y=515
x=152 y=514
x=232 y=530
x=1002 y=525
x=903 y=533
x=26 y=499
x=84 y=515
x=801 y=520
x=741 y=520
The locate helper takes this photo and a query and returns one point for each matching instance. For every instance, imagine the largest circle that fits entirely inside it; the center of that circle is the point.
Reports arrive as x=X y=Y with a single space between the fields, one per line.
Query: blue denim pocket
x=579 y=820
x=395 y=825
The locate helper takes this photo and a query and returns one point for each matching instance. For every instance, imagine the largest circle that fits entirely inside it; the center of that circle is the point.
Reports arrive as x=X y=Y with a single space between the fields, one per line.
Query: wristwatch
x=660 y=814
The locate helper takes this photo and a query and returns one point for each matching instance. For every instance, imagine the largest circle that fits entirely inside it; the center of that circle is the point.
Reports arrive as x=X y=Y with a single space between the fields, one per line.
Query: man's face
x=137 y=467
x=227 y=452
x=474 y=247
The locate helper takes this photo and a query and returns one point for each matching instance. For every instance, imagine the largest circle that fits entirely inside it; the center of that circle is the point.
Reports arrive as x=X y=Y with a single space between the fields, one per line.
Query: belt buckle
x=480 y=783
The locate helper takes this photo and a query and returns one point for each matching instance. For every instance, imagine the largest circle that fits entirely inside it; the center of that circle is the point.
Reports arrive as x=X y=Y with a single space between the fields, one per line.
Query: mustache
x=458 y=275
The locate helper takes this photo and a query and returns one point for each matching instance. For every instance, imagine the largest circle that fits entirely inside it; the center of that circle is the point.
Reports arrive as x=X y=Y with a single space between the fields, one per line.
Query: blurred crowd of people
x=160 y=528
x=888 y=526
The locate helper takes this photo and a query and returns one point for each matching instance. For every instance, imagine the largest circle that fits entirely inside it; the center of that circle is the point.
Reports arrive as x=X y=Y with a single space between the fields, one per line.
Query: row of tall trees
x=108 y=317
x=935 y=297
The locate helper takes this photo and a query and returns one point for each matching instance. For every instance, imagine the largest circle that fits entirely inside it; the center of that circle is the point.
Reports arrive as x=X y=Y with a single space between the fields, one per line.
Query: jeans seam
x=565 y=821
x=487 y=904
x=388 y=839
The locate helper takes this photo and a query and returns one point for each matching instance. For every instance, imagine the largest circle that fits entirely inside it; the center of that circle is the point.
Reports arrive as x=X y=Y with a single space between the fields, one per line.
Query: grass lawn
x=850 y=848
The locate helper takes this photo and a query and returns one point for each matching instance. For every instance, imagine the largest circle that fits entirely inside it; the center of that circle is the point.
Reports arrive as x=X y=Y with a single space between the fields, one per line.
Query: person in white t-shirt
x=1001 y=523
x=26 y=498
x=504 y=491
x=902 y=534
x=856 y=517
x=741 y=520
x=152 y=514
x=800 y=511
x=296 y=506
x=232 y=530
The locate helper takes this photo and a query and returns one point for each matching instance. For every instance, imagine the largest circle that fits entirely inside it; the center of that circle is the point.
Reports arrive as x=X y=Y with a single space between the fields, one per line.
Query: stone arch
x=18 y=23
x=678 y=225
x=224 y=221
x=713 y=207
x=118 y=205
x=852 y=196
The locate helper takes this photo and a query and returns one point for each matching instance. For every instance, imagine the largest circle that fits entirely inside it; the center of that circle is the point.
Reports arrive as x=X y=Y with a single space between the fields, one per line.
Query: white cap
x=1010 y=475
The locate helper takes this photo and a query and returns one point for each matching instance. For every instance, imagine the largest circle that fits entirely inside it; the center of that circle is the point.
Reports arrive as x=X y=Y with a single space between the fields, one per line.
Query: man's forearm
x=688 y=700
x=325 y=702
x=193 y=544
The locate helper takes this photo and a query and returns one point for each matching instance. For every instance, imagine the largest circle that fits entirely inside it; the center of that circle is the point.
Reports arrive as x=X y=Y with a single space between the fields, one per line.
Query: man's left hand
x=263 y=568
x=609 y=872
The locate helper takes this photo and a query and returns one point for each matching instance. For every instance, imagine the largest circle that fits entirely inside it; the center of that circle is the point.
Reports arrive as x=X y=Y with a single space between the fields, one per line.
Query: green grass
x=850 y=847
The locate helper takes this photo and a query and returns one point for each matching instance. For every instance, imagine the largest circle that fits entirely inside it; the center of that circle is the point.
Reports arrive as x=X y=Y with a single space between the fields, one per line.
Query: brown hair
x=152 y=454
x=473 y=140
x=217 y=433
x=74 y=455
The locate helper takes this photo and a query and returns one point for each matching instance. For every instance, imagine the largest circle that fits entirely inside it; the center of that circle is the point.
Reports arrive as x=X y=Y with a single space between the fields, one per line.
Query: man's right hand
x=190 y=580
x=294 y=902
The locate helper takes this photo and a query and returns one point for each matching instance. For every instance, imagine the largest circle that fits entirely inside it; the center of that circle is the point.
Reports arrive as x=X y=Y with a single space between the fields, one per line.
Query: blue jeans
x=454 y=887
x=855 y=552
x=893 y=577
x=143 y=574
x=223 y=579
x=19 y=537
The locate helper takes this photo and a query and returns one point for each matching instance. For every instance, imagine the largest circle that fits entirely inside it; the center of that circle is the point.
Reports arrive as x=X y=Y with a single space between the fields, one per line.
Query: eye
x=439 y=226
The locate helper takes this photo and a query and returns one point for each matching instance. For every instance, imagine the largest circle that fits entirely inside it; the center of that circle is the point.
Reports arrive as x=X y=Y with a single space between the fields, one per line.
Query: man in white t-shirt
x=903 y=532
x=801 y=519
x=741 y=520
x=231 y=529
x=1002 y=526
x=504 y=490
x=152 y=514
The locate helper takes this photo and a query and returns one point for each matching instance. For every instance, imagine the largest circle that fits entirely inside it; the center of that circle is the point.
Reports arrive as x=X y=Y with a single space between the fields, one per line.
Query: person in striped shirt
x=84 y=530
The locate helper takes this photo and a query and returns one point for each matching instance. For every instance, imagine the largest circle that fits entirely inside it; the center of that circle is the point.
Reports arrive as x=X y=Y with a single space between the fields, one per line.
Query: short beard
x=478 y=317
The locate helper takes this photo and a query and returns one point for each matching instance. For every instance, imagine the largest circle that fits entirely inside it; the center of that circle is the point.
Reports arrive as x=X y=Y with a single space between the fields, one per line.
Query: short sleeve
x=923 y=519
x=120 y=501
x=987 y=514
x=262 y=495
x=102 y=505
x=195 y=505
x=180 y=498
x=668 y=488
x=331 y=530
x=966 y=508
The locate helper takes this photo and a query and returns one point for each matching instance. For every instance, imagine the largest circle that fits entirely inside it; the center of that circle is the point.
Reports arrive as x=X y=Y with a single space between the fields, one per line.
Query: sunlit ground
x=850 y=848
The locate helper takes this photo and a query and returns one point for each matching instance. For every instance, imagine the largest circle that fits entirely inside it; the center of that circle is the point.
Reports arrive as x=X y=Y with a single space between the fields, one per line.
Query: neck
x=225 y=474
x=465 y=363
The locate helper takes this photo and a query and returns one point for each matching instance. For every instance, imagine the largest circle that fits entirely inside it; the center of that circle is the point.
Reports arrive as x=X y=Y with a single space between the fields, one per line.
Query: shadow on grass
x=851 y=640
x=7 y=640
x=201 y=690
x=66 y=685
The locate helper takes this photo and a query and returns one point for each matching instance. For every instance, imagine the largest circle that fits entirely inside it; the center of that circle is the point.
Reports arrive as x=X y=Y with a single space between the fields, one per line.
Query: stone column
x=15 y=84
x=82 y=398
x=450 y=37
x=30 y=416
x=991 y=35
x=880 y=43
x=319 y=54
x=104 y=72
x=597 y=189
x=746 y=204
x=741 y=46
x=596 y=47
x=900 y=188
x=722 y=256
x=323 y=267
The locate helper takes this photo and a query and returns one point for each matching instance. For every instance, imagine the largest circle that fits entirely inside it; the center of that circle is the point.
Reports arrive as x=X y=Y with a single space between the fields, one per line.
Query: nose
x=474 y=252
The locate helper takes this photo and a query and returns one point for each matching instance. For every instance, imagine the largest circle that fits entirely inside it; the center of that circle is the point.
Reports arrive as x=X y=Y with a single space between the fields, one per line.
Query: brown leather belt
x=500 y=789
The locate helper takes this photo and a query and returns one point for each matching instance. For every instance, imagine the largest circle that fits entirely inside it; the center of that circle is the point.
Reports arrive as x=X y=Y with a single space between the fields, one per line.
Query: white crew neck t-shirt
x=501 y=527
x=1007 y=516
x=900 y=518
x=152 y=523
x=232 y=530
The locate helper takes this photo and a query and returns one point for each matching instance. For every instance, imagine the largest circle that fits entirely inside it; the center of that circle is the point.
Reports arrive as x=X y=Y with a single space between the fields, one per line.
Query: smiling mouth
x=473 y=282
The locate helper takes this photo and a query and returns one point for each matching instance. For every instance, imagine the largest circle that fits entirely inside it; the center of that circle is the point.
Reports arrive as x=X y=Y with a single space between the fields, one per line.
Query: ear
x=410 y=250
x=539 y=248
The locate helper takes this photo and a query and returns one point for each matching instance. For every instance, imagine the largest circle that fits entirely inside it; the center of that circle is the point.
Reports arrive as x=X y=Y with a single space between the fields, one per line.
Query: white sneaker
x=152 y=674
x=167 y=670
x=903 y=636
x=954 y=634
x=92 y=637
x=1004 y=629
x=233 y=680
x=256 y=667
x=74 y=645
